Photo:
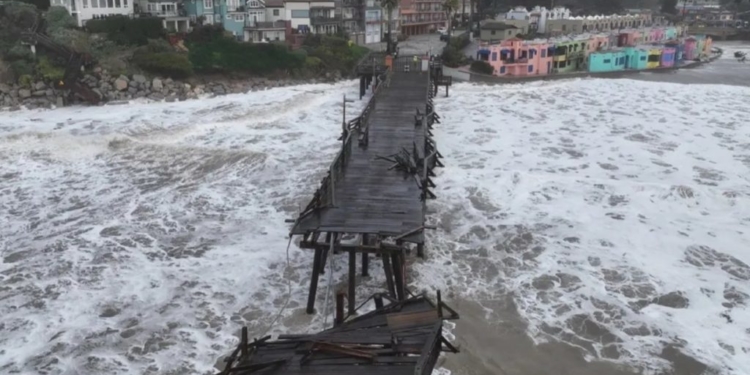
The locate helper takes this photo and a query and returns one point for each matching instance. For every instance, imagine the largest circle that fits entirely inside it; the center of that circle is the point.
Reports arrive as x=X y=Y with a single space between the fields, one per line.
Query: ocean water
x=138 y=239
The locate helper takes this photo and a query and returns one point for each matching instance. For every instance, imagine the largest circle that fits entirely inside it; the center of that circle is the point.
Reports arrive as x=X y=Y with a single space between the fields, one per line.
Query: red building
x=421 y=16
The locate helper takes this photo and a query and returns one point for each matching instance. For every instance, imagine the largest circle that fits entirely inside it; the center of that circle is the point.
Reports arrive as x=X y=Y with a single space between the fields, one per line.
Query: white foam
x=585 y=198
x=167 y=216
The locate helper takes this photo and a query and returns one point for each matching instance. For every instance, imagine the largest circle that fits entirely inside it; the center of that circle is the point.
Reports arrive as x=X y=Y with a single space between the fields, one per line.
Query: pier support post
x=388 y=274
x=325 y=255
x=314 y=281
x=378 y=301
x=420 y=250
x=398 y=275
x=362 y=87
x=352 y=279
x=365 y=256
x=339 y=308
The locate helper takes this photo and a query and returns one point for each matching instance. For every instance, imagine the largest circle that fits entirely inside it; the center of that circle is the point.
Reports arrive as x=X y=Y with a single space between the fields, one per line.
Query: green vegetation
x=128 y=31
x=48 y=70
x=334 y=53
x=481 y=67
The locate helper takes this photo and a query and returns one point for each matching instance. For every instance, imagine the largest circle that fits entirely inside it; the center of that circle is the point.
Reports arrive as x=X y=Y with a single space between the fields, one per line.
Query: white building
x=84 y=10
x=538 y=16
x=318 y=17
x=374 y=22
x=173 y=16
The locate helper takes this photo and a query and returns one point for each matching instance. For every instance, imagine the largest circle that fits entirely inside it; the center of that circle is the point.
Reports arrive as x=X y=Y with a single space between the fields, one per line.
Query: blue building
x=231 y=14
x=607 y=61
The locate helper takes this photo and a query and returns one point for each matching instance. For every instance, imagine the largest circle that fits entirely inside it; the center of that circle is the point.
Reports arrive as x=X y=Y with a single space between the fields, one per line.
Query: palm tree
x=450 y=7
x=389 y=5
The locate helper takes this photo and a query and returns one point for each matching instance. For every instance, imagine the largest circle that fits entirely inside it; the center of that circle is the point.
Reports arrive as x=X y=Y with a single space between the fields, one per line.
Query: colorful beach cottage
x=607 y=61
x=636 y=58
x=667 y=57
x=515 y=57
x=654 y=56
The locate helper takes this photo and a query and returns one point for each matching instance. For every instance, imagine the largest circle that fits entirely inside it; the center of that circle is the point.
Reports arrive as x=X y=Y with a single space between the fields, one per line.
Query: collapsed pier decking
x=377 y=186
x=398 y=339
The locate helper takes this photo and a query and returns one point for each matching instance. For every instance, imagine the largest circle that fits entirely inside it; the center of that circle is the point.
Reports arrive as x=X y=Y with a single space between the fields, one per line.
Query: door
x=549 y=66
x=627 y=62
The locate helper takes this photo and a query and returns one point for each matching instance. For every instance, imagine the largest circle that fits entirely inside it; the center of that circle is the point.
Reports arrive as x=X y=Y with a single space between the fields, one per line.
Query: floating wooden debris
x=404 y=337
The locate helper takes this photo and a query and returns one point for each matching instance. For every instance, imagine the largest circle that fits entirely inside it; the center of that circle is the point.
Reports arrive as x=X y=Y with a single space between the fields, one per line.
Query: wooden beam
x=352 y=280
x=389 y=275
x=314 y=281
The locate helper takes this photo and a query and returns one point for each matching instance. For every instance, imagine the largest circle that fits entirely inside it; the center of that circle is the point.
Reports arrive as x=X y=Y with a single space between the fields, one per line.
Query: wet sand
x=499 y=345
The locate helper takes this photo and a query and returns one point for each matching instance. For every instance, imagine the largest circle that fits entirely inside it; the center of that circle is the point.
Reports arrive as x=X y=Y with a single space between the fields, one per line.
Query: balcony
x=236 y=9
x=263 y=25
x=523 y=60
x=559 y=58
x=575 y=55
x=325 y=20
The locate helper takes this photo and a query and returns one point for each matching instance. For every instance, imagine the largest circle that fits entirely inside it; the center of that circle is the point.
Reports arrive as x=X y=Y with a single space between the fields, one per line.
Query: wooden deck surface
x=401 y=338
x=370 y=198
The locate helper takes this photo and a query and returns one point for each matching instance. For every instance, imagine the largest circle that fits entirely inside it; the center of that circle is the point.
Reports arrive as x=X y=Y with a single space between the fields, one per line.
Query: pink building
x=690 y=52
x=597 y=42
x=628 y=38
x=514 y=57
x=656 y=35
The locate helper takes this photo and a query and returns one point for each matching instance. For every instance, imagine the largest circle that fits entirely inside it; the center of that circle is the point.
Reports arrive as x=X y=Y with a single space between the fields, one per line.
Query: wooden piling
x=420 y=250
x=339 y=308
x=389 y=275
x=314 y=281
x=352 y=279
x=244 y=342
x=378 y=301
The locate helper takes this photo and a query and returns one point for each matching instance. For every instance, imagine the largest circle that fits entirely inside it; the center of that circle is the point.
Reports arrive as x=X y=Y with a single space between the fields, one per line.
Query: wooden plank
x=409 y=319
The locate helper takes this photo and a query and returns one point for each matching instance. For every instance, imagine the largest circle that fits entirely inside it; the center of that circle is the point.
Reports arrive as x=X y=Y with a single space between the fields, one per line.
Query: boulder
x=121 y=84
x=218 y=90
x=124 y=78
x=40 y=86
x=156 y=96
x=98 y=69
x=133 y=84
x=60 y=102
x=132 y=90
x=24 y=93
x=139 y=78
x=5 y=89
x=50 y=92
x=156 y=84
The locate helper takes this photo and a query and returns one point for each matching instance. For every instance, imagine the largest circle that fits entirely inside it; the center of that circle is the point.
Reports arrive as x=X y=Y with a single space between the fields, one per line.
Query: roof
x=402 y=338
x=497 y=26
x=274 y=3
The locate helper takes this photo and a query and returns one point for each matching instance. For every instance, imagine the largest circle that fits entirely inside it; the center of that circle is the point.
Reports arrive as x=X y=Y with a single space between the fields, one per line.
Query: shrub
x=22 y=68
x=170 y=64
x=58 y=18
x=205 y=34
x=453 y=57
x=459 y=42
x=19 y=53
x=128 y=31
x=48 y=70
x=482 y=67
x=225 y=54
x=25 y=80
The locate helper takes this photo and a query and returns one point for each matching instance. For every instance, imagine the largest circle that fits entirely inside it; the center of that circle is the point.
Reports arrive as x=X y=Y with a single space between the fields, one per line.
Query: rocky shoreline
x=39 y=94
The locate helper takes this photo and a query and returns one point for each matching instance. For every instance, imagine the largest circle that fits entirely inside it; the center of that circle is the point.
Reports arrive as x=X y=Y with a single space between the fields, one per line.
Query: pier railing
x=359 y=127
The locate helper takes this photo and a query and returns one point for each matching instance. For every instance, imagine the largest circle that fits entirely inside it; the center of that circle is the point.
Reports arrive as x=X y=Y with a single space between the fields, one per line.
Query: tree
x=389 y=5
x=450 y=7
x=669 y=6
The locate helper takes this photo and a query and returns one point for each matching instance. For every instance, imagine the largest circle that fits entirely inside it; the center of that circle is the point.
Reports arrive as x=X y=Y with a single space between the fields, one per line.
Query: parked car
x=442 y=30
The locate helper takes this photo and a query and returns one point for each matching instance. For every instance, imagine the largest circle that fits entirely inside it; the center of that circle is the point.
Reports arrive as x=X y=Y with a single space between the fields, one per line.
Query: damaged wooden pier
x=404 y=337
x=378 y=184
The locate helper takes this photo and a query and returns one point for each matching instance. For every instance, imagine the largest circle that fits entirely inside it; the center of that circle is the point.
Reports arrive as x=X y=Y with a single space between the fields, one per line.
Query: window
x=239 y=17
x=232 y=5
x=275 y=12
x=217 y=17
x=254 y=4
x=493 y=32
x=544 y=53
x=85 y=4
x=607 y=61
x=118 y=4
x=494 y=56
x=102 y=3
x=110 y=3
x=531 y=68
x=208 y=3
x=643 y=58
x=502 y=70
x=301 y=13
x=95 y=3
x=124 y=3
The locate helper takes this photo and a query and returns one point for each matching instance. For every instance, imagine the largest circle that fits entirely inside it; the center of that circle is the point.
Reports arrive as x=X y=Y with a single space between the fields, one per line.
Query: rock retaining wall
x=117 y=88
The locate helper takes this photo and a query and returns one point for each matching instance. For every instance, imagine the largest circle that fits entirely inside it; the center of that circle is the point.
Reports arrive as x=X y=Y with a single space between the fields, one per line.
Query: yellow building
x=654 y=56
